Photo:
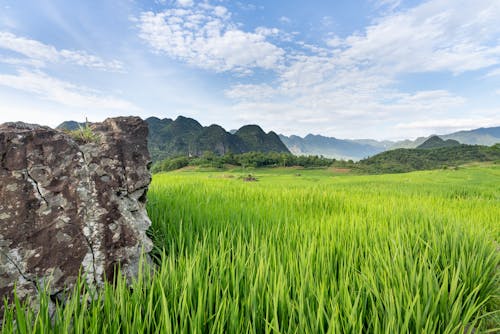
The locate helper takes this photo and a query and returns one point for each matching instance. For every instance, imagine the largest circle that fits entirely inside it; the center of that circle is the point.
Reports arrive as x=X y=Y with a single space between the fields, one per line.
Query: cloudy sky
x=384 y=69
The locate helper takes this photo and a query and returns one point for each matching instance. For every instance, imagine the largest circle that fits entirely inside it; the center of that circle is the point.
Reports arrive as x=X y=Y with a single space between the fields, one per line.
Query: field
x=307 y=251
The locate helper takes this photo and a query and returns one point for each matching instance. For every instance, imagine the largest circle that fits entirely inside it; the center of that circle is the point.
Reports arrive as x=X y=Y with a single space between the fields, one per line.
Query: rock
x=66 y=206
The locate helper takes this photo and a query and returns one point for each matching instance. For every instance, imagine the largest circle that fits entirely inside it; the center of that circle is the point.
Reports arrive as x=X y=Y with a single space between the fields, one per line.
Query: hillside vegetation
x=436 y=142
x=186 y=137
x=395 y=161
x=250 y=159
x=407 y=160
x=316 y=253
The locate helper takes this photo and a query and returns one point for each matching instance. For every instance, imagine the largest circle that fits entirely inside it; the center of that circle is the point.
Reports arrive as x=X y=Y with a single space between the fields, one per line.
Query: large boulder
x=68 y=205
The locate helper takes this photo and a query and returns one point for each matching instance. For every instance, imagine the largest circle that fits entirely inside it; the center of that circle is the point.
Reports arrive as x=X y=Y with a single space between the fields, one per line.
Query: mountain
x=357 y=149
x=436 y=142
x=332 y=147
x=406 y=160
x=215 y=139
x=481 y=136
x=408 y=143
x=70 y=125
x=170 y=138
x=256 y=139
x=185 y=136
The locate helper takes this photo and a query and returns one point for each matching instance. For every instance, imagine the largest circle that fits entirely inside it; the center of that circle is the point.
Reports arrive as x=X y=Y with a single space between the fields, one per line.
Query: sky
x=381 y=69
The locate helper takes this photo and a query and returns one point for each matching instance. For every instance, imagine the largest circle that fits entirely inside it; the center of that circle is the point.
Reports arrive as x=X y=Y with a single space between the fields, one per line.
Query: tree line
x=244 y=160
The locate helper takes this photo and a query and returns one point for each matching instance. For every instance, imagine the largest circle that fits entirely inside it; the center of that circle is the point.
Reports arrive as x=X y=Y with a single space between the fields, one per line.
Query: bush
x=173 y=164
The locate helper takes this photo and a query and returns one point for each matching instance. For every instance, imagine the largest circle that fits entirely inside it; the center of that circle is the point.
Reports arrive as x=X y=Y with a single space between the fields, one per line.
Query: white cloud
x=185 y=3
x=354 y=81
x=435 y=100
x=284 y=19
x=22 y=62
x=449 y=124
x=342 y=113
x=205 y=37
x=493 y=73
x=38 y=54
x=327 y=21
x=220 y=11
x=388 y=5
x=434 y=36
x=263 y=31
x=62 y=92
x=250 y=91
x=348 y=84
x=335 y=42
x=40 y=113
x=440 y=35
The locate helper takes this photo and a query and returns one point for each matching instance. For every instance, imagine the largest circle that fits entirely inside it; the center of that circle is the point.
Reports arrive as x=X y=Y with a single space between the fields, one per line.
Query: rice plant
x=409 y=253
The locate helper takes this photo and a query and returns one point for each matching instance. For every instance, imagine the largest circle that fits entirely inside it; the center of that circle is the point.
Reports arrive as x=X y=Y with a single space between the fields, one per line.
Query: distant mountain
x=357 y=149
x=185 y=136
x=481 y=136
x=406 y=160
x=332 y=147
x=408 y=143
x=436 y=142
x=70 y=125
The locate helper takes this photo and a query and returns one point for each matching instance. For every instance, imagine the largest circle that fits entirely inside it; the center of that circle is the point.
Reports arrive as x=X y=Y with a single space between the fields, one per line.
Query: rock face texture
x=67 y=206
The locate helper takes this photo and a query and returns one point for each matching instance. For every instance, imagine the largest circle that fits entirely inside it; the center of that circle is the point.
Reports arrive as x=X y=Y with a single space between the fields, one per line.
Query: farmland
x=306 y=251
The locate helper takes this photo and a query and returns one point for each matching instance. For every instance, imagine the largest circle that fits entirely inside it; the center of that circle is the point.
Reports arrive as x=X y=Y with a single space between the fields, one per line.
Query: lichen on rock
x=67 y=206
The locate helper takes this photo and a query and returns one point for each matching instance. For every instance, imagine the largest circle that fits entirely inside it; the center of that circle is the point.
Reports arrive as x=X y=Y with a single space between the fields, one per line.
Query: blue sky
x=383 y=69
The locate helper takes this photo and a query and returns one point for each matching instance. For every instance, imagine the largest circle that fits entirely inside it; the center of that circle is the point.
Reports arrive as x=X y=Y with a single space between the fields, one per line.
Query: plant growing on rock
x=85 y=134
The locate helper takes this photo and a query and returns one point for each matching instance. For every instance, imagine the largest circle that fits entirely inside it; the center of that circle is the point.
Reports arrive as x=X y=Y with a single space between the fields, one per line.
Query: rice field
x=305 y=251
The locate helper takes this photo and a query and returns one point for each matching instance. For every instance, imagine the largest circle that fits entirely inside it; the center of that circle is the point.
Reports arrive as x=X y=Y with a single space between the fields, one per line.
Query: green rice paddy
x=305 y=251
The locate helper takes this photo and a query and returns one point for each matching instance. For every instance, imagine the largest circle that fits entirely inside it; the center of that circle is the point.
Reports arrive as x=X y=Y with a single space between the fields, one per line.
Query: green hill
x=171 y=138
x=186 y=137
x=436 y=142
x=256 y=140
x=407 y=160
x=215 y=139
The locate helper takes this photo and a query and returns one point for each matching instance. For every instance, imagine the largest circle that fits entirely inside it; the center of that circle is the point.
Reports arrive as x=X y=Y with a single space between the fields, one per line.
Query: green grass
x=310 y=253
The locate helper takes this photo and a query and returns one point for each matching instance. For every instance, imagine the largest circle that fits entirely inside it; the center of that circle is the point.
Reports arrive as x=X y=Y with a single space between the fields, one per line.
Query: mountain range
x=186 y=136
x=357 y=149
x=332 y=147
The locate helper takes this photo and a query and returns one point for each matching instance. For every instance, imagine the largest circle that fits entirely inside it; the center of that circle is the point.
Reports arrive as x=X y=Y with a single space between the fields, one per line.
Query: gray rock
x=66 y=206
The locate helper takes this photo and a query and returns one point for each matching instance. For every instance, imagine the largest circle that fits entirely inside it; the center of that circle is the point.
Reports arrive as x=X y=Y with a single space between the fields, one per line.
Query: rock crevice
x=67 y=206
